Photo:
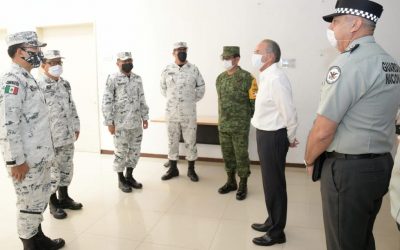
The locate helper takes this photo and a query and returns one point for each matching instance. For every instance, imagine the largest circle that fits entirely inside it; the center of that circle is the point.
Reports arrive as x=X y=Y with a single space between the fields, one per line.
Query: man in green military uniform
x=236 y=90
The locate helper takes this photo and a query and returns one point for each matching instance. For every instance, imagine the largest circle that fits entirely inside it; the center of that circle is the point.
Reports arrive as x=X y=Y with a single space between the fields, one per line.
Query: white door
x=5 y=60
x=77 y=44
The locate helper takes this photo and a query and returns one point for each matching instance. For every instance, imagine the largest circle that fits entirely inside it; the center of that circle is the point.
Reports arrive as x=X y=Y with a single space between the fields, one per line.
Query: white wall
x=152 y=26
x=148 y=28
x=77 y=45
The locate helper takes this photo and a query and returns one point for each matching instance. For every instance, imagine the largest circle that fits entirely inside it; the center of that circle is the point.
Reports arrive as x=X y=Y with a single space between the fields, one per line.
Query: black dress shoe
x=261 y=227
x=267 y=240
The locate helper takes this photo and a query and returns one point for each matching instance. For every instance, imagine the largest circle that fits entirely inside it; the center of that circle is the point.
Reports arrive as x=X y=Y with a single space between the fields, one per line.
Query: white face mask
x=228 y=64
x=331 y=37
x=256 y=60
x=56 y=70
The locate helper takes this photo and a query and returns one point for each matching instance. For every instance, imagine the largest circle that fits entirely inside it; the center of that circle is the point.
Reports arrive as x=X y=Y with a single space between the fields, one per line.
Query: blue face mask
x=34 y=58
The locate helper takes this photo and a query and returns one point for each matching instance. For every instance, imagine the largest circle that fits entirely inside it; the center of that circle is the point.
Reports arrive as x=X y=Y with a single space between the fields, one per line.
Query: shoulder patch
x=333 y=74
x=10 y=89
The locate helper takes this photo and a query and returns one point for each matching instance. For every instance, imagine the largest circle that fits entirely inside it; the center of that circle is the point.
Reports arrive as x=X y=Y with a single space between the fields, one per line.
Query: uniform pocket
x=336 y=177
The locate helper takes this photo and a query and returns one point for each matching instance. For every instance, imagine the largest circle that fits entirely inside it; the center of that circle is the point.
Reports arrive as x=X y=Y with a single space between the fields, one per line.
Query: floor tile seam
x=163 y=213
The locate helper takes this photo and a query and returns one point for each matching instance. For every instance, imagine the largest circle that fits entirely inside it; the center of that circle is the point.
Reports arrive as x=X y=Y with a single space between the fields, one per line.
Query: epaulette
x=352 y=48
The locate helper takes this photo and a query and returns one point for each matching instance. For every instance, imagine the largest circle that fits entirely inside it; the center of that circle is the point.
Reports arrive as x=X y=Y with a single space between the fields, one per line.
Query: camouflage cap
x=124 y=56
x=230 y=51
x=178 y=45
x=52 y=54
x=29 y=37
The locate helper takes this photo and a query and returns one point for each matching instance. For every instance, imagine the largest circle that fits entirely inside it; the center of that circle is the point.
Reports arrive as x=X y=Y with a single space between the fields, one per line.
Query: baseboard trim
x=206 y=159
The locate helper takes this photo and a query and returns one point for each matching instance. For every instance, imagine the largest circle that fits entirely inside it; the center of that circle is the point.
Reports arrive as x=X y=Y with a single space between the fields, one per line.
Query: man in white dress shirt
x=275 y=119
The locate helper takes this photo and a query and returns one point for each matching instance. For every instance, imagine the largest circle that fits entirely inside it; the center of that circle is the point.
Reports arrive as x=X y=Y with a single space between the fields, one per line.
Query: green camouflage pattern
x=230 y=51
x=234 y=147
x=236 y=96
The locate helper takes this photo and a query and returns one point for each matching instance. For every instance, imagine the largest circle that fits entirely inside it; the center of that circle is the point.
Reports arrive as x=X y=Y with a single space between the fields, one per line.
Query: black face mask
x=127 y=67
x=34 y=58
x=182 y=56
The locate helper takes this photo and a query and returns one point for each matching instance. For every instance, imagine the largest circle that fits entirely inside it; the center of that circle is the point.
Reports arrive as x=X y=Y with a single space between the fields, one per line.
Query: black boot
x=230 y=185
x=29 y=244
x=166 y=164
x=191 y=173
x=65 y=201
x=45 y=243
x=172 y=171
x=123 y=184
x=130 y=180
x=242 y=191
x=55 y=209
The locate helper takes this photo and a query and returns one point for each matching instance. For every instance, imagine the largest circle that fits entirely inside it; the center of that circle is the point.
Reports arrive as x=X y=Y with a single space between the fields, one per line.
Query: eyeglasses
x=54 y=63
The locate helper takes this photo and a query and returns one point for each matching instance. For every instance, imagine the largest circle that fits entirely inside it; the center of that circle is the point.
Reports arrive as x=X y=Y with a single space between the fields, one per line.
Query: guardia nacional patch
x=333 y=74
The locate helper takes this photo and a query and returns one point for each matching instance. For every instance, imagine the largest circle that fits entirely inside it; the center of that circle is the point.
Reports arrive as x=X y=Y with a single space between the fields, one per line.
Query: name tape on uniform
x=392 y=72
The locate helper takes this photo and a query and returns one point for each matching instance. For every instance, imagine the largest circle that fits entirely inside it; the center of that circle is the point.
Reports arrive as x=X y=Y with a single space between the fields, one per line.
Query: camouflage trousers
x=62 y=169
x=188 y=128
x=127 y=144
x=234 y=147
x=33 y=194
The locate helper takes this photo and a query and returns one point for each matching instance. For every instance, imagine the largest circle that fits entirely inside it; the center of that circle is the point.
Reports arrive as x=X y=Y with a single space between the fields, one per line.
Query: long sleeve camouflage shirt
x=183 y=87
x=64 y=119
x=124 y=103
x=24 y=120
x=236 y=96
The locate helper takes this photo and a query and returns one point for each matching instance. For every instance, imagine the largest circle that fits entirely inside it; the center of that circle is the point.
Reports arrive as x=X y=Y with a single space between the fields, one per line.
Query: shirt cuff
x=108 y=123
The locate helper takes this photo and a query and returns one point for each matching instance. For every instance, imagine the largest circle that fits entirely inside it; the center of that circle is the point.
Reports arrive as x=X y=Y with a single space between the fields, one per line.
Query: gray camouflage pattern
x=183 y=87
x=64 y=119
x=62 y=169
x=188 y=128
x=127 y=148
x=29 y=37
x=124 y=103
x=25 y=137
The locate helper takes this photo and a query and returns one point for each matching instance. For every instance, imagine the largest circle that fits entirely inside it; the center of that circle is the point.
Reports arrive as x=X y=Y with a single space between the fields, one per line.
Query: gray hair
x=273 y=47
x=368 y=24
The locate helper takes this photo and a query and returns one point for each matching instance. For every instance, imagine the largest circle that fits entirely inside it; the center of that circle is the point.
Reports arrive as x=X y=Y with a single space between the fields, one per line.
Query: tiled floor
x=178 y=214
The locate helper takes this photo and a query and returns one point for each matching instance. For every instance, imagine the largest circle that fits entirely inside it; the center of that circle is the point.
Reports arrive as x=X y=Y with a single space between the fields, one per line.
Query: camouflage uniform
x=64 y=122
x=124 y=106
x=25 y=137
x=183 y=87
x=235 y=109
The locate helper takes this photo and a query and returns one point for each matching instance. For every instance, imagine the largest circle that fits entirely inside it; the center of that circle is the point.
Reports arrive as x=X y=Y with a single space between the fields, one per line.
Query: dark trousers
x=352 y=192
x=272 y=148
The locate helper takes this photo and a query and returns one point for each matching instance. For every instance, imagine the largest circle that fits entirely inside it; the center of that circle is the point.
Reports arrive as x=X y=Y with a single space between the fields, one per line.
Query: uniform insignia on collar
x=352 y=48
x=333 y=74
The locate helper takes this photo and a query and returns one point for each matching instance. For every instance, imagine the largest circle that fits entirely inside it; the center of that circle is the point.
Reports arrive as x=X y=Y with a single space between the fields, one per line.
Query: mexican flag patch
x=11 y=90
